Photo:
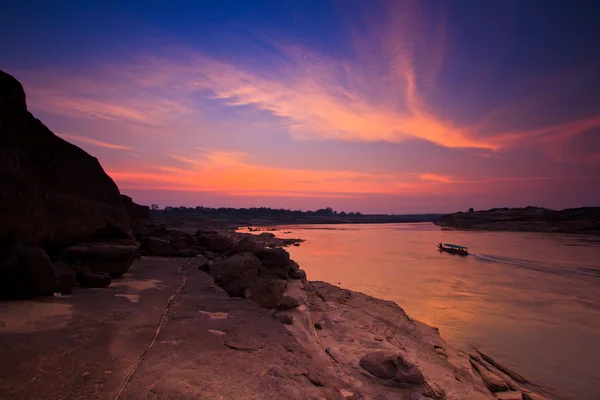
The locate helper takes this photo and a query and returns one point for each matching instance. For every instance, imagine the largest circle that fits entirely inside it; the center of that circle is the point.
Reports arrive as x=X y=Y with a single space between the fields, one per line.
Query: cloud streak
x=94 y=142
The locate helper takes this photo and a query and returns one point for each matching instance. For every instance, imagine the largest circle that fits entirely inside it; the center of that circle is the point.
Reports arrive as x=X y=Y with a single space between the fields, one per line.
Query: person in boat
x=440 y=245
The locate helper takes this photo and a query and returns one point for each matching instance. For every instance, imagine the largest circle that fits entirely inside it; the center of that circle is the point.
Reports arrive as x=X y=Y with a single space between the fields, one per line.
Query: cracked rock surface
x=167 y=331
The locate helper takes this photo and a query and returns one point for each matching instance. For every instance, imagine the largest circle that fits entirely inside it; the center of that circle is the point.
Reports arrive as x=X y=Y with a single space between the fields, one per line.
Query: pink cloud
x=94 y=142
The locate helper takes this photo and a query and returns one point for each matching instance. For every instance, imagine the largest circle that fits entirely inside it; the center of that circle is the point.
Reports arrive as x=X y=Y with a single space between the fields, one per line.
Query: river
x=530 y=300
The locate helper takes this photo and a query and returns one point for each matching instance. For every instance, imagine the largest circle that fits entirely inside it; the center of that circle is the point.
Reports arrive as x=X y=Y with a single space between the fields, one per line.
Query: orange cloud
x=94 y=142
x=232 y=173
x=379 y=94
x=436 y=178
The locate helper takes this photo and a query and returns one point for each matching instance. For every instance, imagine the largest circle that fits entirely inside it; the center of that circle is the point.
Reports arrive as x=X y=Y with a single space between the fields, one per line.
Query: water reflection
x=531 y=300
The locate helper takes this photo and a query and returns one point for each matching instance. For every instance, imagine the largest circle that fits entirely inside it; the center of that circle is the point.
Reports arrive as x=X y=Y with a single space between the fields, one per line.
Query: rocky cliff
x=532 y=219
x=54 y=195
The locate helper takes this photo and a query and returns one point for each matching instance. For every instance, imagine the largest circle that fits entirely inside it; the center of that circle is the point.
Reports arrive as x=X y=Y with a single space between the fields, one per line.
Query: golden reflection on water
x=531 y=300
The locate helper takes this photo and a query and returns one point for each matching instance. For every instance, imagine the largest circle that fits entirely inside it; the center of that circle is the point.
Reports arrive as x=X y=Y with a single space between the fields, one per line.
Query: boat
x=454 y=249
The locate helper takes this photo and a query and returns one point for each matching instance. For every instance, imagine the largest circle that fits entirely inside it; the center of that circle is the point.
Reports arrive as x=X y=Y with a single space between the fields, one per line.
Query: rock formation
x=53 y=195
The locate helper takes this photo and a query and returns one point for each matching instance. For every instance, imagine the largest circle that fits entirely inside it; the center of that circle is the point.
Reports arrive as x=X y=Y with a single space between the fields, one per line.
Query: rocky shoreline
x=243 y=312
x=100 y=302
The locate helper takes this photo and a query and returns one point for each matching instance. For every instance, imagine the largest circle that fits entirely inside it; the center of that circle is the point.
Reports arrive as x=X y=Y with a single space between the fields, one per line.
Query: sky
x=373 y=106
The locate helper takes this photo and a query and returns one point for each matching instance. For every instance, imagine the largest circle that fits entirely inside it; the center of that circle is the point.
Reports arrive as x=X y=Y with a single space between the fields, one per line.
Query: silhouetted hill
x=532 y=219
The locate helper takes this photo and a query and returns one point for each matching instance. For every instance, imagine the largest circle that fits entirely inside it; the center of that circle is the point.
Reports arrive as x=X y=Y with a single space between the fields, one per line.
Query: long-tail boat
x=454 y=249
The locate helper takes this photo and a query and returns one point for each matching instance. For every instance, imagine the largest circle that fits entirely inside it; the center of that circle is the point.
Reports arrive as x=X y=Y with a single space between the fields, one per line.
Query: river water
x=530 y=300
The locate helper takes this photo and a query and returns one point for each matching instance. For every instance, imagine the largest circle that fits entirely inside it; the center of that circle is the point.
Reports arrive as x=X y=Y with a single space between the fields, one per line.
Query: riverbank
x=585 y=220
x=170 y=328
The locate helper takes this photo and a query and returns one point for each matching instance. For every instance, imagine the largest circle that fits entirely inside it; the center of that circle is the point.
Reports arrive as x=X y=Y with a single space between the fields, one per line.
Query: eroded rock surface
x=210 y=346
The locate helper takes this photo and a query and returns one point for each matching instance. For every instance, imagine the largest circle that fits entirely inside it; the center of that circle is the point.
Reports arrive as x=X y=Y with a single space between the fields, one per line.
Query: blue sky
x=382 y=106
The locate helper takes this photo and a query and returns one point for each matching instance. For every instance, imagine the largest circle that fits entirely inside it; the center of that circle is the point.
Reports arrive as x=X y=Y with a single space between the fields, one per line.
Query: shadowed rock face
x=138 y=214
x=50 y=190
x=54 y=195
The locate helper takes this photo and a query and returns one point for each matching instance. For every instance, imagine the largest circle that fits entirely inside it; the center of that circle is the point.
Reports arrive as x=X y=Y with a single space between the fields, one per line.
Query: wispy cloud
x=234 y=173
x=379 y=93
x=94 y=142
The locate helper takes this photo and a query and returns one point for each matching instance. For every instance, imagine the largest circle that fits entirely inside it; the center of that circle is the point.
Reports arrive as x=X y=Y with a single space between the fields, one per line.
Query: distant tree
x=471 y=209
x=154 y=207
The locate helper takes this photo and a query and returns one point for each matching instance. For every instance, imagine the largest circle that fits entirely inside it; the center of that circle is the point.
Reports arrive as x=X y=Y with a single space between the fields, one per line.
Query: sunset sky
x=375 y=106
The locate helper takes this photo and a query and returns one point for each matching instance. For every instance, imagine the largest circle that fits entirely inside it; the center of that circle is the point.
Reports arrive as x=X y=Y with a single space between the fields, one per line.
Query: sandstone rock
x=179 y=236
x=65 y=278
x=287 y=303
x=247 y=245
x=517 y=377
x=533 y=396
x=159 y=247
x=510 y=395
x=265 y=235
x=389 y=365
x=235 y=274
x=297 y=274
x=274 y=258
x=25 y=271
x=266 y=292
x=113 y=257
x=184 y=253
x=142 y=233
x=93 y=279
x=182 y=245
x=215 y=242
x=202 y=263
x=137 y=214
x=50 y=191
x=285 y=319
x=492 y=381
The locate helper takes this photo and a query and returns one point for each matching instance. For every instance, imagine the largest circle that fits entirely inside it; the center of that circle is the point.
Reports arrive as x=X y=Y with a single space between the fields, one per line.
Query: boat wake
x=565 y=270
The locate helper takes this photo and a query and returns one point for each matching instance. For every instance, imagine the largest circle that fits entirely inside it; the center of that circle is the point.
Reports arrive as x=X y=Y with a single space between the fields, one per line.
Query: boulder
x=285 y=318
x=492 y=381
x=236 y=273
x=113 y=258
x=25 y=271
x=180 y=245
x=202 y=263
x=144 y=232
x=297 y=274
x=179 y=236
x=389 y=365
x=137 y=214
x=216 y=242
x=265 y=235
x=266 y=292
x=247 y=245
x=158 y=247
x=274 y=258
x=65 y=278
x=209 y=254
x=184 y=253
x=93 y=279
x=50 y=190
x=287 y=303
